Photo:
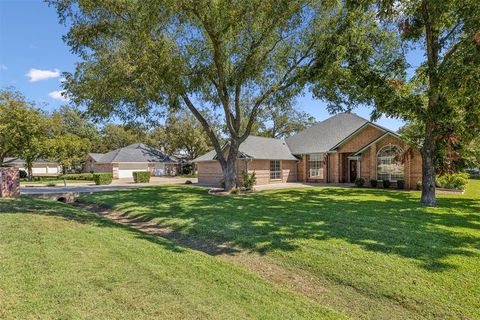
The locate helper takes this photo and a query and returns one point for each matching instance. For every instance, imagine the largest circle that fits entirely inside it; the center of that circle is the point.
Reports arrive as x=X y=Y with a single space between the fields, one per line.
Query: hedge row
x=141 y=176
x=102 y=178
x=77 y=176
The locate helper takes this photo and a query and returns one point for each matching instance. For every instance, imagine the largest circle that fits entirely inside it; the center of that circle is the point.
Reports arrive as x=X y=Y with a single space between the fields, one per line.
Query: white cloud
x=3 y=67
x=37 y=75
x=57 y=95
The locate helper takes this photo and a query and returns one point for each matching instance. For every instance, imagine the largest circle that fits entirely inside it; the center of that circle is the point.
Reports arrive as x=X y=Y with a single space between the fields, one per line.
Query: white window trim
x=320 y=170
x=270 y=170
x=377 y=158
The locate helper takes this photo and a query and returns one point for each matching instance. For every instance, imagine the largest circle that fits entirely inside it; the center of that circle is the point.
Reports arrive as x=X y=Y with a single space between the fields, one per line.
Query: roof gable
x=136 y=152
x=361 y=150
x=325 y=135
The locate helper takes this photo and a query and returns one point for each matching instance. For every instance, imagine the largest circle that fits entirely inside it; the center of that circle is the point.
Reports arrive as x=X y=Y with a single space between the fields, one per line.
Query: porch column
x=373 y=162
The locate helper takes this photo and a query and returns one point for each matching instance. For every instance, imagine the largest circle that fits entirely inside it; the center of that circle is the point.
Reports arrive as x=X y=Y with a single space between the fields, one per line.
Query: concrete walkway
x=116 y=185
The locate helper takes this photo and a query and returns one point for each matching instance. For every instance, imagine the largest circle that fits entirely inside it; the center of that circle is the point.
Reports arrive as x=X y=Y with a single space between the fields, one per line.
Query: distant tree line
x=67 y=135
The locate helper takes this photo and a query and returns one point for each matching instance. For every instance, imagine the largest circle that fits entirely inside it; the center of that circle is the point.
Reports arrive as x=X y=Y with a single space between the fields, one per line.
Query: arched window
x=389 y=164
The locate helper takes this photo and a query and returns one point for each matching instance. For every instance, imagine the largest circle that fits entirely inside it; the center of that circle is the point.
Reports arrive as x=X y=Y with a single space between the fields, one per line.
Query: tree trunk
x=229 y=166
x=30 y=173
x=430 y=143
x=230 y=175
x=428 y=168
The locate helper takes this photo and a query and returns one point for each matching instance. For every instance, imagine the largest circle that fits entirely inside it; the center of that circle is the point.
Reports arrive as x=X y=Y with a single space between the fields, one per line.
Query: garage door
x=126 y=170
x=39 y=170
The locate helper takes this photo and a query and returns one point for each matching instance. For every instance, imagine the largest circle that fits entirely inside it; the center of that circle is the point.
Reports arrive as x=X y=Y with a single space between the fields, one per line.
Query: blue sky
x=33 y=55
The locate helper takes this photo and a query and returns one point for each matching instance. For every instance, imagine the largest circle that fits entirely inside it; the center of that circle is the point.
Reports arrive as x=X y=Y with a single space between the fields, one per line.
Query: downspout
x=328 y=168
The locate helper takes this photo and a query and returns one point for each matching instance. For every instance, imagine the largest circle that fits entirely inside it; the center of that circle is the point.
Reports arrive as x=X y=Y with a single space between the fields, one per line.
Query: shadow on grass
x=26 y=205
x=390 y=222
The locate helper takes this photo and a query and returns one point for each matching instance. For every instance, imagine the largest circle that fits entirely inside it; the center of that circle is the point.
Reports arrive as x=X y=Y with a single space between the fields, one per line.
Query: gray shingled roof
x=96 y=156
x=136 y=152
x=323 y=136
x=19 y=161
x=258 y=148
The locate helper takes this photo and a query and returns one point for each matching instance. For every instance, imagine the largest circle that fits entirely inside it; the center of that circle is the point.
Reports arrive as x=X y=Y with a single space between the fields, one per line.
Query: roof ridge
x=269 y=138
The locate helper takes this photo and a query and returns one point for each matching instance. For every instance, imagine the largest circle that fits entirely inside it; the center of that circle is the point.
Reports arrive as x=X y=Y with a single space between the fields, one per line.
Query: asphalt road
x=87 y=188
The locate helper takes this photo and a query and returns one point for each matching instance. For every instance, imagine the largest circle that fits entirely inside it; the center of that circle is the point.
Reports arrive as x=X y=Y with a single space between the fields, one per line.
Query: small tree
x=185 y=133
x=68 y=150
x=280 y=120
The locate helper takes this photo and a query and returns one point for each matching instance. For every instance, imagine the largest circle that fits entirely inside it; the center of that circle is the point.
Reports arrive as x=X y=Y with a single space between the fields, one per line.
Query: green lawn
x=58 y=182
x=367 y=253
x=59 y=262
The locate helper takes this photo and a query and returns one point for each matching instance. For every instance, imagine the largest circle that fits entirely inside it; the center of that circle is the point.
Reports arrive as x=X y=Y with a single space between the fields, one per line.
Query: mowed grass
x=371 y=254
x=59 y=262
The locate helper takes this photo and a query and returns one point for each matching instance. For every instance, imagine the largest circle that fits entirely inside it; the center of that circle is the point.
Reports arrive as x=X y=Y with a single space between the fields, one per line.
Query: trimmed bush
x=373 y=183
x=77 y=176
x=457 y=181
x=401 y=184
x=249 y=180
x=141 y=176
x=419 y=185
x=386 y=184
x=359 y=182
x=188 y=182
x=23 y=174
x=102 y=178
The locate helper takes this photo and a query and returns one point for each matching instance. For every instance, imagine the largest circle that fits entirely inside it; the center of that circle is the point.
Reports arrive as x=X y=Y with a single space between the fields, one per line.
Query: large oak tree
x=222 y=55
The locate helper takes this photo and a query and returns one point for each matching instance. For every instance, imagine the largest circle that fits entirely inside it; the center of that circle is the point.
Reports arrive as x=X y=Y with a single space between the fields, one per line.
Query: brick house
x=123 y=162
x=337 y=150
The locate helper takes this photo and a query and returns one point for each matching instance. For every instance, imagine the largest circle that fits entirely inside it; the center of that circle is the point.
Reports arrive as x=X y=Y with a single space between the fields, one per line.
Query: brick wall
x=412 y=163
x=210 y=172
x=9 y=182
x=360 y=139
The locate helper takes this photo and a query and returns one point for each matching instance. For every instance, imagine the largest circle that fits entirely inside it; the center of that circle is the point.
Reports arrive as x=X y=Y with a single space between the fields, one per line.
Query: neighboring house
x=136 y=157
x=40 y=167
x=337 y=150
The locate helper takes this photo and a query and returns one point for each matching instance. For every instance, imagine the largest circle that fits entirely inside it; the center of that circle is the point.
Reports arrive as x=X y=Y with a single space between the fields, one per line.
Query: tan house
x=136 y=157
x=337 y=150
x=40 y=168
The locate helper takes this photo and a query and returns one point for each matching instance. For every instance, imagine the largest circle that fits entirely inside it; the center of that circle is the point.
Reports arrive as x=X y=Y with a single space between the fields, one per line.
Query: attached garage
x=125 y=170
x=123 y=162
x=40 y=167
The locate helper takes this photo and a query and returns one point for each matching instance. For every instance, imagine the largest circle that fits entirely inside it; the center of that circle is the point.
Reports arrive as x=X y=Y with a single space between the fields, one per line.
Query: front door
x=353 y=170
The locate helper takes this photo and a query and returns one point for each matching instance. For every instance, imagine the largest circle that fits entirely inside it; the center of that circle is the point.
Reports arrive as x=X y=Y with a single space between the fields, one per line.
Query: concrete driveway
x=117 y=184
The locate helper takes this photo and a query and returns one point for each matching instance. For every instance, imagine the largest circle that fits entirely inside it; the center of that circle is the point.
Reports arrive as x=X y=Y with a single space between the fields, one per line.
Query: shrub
x=187 y=169
x=456 y=181
x=386 y=184
x=373 y=183
x=102 y=178
x=23 y=174
x=359 y=182
x=419 y=185
x=401 y=184
x=249 y=180
x=188 y=182
x=141 y=176
x=77 y=176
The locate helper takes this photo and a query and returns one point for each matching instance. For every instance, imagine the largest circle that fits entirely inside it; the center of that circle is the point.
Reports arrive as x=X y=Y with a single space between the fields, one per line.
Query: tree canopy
x=232 y=56
x=370 y=65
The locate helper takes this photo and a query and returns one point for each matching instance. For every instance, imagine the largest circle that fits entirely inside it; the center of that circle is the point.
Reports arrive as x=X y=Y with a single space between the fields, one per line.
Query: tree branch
x=206 y=126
